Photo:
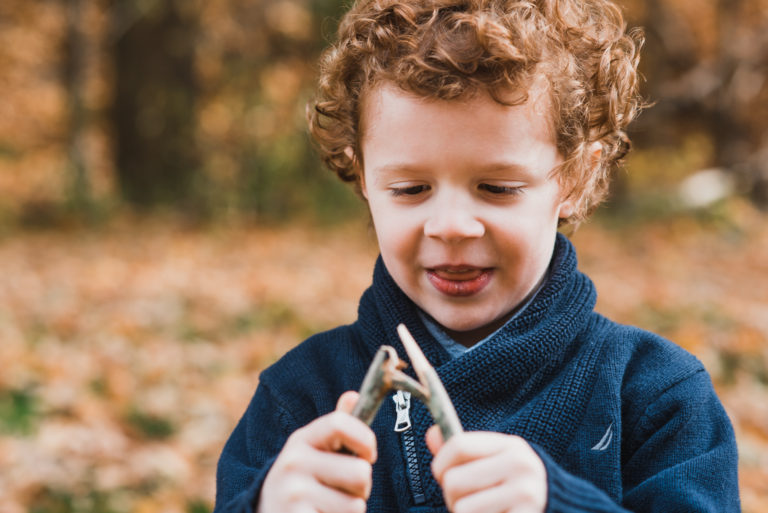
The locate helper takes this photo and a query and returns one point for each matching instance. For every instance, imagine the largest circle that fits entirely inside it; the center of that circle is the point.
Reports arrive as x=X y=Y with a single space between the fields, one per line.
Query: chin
x=461 y=325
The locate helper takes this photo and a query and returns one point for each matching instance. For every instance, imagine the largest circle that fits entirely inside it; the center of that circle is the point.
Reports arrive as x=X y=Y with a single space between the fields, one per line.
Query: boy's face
x=462 y=200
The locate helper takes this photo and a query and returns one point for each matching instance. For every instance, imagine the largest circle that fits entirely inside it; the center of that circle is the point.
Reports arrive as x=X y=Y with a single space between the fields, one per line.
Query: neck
x=471 y=337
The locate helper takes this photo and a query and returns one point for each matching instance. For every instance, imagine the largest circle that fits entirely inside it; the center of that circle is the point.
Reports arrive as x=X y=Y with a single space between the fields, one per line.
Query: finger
x=499 y=499
x=469 y=446
x=322 y=498
x=434 y=439
x=348 y=474
x=330 y=500
x=346 y=404
x=472 y=477
x=335 y=430
x=490 y=500
x=347 y=401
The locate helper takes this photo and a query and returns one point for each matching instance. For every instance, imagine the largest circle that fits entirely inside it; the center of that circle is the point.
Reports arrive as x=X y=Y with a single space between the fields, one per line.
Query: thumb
x=347 y=401
x=434 y=439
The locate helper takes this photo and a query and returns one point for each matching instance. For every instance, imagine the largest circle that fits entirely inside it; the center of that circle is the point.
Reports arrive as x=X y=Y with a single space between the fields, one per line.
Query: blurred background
x=166 y=230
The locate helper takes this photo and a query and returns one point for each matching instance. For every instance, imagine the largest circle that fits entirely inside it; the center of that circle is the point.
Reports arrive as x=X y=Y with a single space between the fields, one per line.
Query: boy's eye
x=500 y=189
x=412 y=190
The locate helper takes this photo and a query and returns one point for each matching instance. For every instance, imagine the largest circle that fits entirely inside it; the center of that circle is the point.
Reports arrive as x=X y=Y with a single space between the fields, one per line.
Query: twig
x=385 y=374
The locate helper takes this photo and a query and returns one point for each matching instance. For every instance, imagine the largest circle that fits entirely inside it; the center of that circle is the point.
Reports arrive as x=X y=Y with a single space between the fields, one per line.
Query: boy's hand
x=488 y=472
x=310 y=475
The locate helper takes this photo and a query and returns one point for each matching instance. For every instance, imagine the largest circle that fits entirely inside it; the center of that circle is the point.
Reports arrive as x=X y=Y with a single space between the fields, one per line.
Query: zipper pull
x=402 y=408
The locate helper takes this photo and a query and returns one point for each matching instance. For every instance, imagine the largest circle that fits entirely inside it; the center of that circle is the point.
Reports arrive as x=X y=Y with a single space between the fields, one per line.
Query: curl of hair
x=451 y=49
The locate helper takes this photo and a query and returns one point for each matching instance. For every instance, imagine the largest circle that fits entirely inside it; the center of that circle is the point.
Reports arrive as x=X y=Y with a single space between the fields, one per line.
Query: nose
x=453 y=220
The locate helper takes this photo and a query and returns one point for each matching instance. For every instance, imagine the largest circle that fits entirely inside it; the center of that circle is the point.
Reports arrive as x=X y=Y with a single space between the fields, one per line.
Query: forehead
x=402 y=131
x=536 y=100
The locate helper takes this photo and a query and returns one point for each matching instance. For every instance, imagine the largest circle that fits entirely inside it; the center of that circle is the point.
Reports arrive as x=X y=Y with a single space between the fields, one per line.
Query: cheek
x=392 y=231
x=526 y=240
x=395 y=240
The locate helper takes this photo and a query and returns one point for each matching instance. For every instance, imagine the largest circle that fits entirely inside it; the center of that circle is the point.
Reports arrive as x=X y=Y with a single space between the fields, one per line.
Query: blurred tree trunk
x=728 y=125
x=153 y=114
x=73 y=74
x=741 y=143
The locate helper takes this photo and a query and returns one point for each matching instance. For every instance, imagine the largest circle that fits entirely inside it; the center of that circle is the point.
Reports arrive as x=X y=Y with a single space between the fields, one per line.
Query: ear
x=350 y=153
x=363 y=189
x=567 y=208
x=595 y=151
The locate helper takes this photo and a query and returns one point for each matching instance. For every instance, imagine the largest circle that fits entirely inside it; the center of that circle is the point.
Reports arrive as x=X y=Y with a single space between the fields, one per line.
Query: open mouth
x=459 y=281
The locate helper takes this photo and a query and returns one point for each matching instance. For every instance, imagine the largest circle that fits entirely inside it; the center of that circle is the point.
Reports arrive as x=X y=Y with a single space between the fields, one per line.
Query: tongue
x=461 y=275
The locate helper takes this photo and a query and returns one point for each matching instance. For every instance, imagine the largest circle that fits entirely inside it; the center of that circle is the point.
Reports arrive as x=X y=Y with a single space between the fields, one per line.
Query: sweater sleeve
x=680 y=456
x=249 y=453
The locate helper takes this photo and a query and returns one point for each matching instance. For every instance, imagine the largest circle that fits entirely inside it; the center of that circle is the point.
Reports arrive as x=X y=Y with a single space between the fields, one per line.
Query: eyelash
x=409 y=191
x=501 y=189
x=496 y=190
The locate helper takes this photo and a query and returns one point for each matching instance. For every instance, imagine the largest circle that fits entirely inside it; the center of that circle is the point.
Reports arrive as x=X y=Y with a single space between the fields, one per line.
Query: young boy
x=473 y=129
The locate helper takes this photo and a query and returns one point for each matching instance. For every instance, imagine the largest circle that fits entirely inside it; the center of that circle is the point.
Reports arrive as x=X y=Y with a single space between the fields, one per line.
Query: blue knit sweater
x=623 y=419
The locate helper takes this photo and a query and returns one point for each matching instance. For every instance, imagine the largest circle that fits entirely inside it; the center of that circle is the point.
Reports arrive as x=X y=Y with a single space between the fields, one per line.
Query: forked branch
x=385 y=374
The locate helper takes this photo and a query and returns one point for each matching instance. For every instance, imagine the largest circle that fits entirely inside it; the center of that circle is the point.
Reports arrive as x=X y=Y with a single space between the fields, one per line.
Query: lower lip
x=460 y=288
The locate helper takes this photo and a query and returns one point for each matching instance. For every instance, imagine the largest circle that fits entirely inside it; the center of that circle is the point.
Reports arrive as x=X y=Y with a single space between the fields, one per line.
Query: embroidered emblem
x=605 y=441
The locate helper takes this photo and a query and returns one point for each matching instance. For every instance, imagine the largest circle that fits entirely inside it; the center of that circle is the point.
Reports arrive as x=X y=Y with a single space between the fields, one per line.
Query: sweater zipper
x=403 y=426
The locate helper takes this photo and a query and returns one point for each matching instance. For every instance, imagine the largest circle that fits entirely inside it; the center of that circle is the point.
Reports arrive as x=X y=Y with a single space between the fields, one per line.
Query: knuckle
x=450 y=500
x=293 y=490
x=370 y=440
x=462 y=451
x=462 y=506
x=357 y=506
x=437 y=471
x=362 y=469
x=451 y=481
x=517 y=442
x=529 y=498
x=359 y=481
x=525 y=494
x=338 y=424
x=291 y=461
x=297 y=437
x=293 y=437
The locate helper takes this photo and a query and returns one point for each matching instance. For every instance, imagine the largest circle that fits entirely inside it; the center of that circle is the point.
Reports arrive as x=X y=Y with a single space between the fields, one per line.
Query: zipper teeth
x=414 y=475
x=403 y=426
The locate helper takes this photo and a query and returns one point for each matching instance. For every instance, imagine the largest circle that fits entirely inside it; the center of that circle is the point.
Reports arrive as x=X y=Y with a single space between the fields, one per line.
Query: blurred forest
x=166 y=230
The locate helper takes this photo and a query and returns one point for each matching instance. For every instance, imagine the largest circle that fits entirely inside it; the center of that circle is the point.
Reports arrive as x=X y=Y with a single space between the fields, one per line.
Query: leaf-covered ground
x=129 y=352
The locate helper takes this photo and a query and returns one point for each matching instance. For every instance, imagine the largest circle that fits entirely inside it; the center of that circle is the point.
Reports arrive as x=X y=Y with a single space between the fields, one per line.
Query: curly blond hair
x=451 y=49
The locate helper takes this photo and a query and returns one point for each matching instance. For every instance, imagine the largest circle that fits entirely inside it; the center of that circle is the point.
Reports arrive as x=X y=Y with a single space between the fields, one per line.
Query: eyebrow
x=503 y=167
x=489 y=168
